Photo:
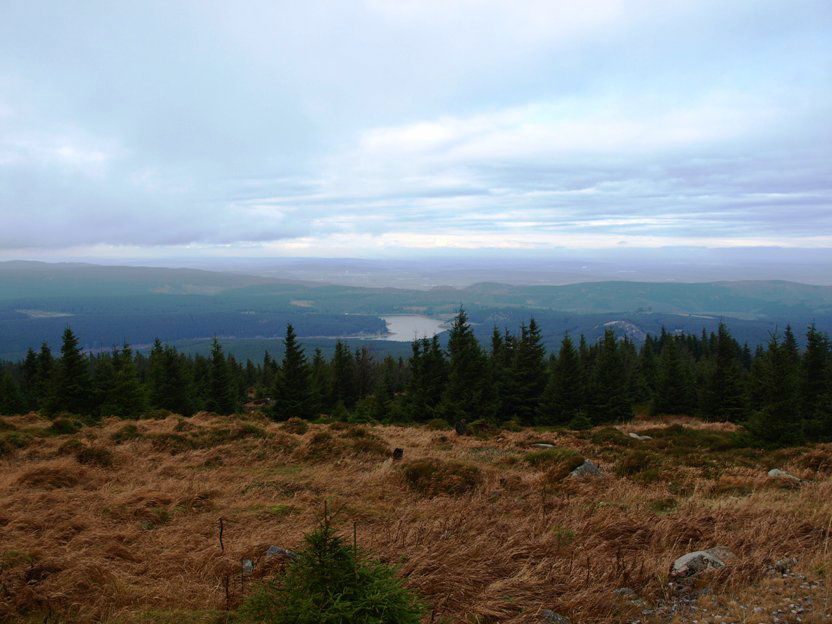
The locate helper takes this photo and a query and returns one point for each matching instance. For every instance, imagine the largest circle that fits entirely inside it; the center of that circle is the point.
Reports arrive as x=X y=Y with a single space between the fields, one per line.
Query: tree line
x=780 y=392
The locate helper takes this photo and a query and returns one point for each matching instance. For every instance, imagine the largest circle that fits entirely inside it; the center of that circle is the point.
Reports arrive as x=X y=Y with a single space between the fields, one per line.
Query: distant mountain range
x=108 y=305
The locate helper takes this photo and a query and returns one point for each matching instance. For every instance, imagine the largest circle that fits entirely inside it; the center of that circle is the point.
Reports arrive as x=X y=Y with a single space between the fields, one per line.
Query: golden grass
x=137 y=541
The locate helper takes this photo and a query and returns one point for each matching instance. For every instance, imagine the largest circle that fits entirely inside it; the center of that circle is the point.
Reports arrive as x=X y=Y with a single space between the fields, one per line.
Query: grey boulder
x=586 y=469
x=277 y=551
x=701 y=560
x=550 y=617
x=776 y=473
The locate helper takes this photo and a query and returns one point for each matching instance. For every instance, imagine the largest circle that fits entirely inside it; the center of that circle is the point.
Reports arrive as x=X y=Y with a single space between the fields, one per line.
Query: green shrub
x=482 y=428
x=6 y=448
x=437 y=424
x=663 y=505
x=157 y=414
x=126 y=434
x=580 y=422
x=552 y=456
x=298 y=426
x=73 y=446
x=607 y=436
x=65 y=426
x=173 y=443
x=18 y=439
x=330 y=583
x=94 y=456
x=513 y=425
x=637 y=463
x=434 y=476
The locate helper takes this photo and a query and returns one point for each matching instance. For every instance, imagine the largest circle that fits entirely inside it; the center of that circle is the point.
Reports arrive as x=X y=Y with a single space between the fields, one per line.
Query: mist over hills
x=107 y=305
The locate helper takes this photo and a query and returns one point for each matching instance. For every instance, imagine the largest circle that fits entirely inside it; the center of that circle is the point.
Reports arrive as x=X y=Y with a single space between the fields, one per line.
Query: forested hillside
x=186 y=308
x=781 y=392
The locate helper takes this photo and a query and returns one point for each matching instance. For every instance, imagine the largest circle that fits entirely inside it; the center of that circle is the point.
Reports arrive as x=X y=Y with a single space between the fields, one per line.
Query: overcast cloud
x=362 y=128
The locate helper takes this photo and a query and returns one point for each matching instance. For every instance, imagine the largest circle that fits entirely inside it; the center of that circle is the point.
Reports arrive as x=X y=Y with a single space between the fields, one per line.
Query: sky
x=395 y=127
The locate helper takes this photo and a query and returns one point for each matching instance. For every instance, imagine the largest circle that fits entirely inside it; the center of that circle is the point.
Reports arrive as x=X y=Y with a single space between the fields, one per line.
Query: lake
x=408 y=327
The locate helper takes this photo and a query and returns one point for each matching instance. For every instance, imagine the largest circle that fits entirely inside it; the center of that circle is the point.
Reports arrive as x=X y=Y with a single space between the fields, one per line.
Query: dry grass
x=136 y=541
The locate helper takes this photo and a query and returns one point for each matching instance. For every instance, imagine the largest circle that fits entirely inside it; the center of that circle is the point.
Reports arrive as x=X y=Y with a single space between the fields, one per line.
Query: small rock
x=784 y=566
x=277 y=551
x=776 y=473
x=586 y=469
x=543 y=445
x=550 y=617
x=700 y=560
x=636 y=436
x=248 y=567
x=626 y=592
x=398 y=454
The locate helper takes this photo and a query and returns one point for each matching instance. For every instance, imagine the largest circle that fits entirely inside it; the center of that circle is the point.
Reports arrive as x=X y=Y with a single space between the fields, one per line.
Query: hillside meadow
x=119 y=522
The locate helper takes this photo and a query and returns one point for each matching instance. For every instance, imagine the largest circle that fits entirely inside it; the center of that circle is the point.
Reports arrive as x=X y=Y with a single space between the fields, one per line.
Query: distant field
x=120 y=525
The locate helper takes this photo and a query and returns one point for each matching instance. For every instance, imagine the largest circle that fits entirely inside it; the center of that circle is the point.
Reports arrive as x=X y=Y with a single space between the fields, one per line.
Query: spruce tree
x=468 y=395
x=292 y=389
x=71 y=389
x=565 y=389
x=30 y=380
x=779 y=421
x=222 y=391
x=674 y=388
x=724 y=398
x=529 y=372
x=610 y=400
x=128 y=399
x=343 y=377
x=12 y=400
x=815 y=387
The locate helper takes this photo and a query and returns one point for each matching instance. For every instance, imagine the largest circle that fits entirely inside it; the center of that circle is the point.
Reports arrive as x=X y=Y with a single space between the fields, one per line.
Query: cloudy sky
x=383 y=127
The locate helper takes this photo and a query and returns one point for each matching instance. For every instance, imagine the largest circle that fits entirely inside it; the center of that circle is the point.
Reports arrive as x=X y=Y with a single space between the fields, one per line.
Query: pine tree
x=71 y=389
x=343 y=377
x=529 y=373
x=610 y=400
x=724 y=398
x=565 y=389
x=222 y=392
x=292 y=392
x=815 y=387
x=319 y=382
x=12 y=400
x=128 y=399
x=468 y=395
x=779 y=421
x=30 y=380
x=674 y=388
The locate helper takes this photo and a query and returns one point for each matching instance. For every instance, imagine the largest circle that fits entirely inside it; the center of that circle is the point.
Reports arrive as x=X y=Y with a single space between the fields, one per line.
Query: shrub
x=637 y=463
x=663 y=505
x=173 y=443
x=5 y=447
x=157 y=414
x=552 y=456
x=95 y=456
x=330 y=583
x=437 y=424
x=482 y=428
x=126 y=434
x=610 y=436
x=513 y=425
x=295 y=425
x=370 y=446
x=73 y=446
x=50 y=477
x=433 y=477
x=580 y=422
x=65 y=426
x=19 y=439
